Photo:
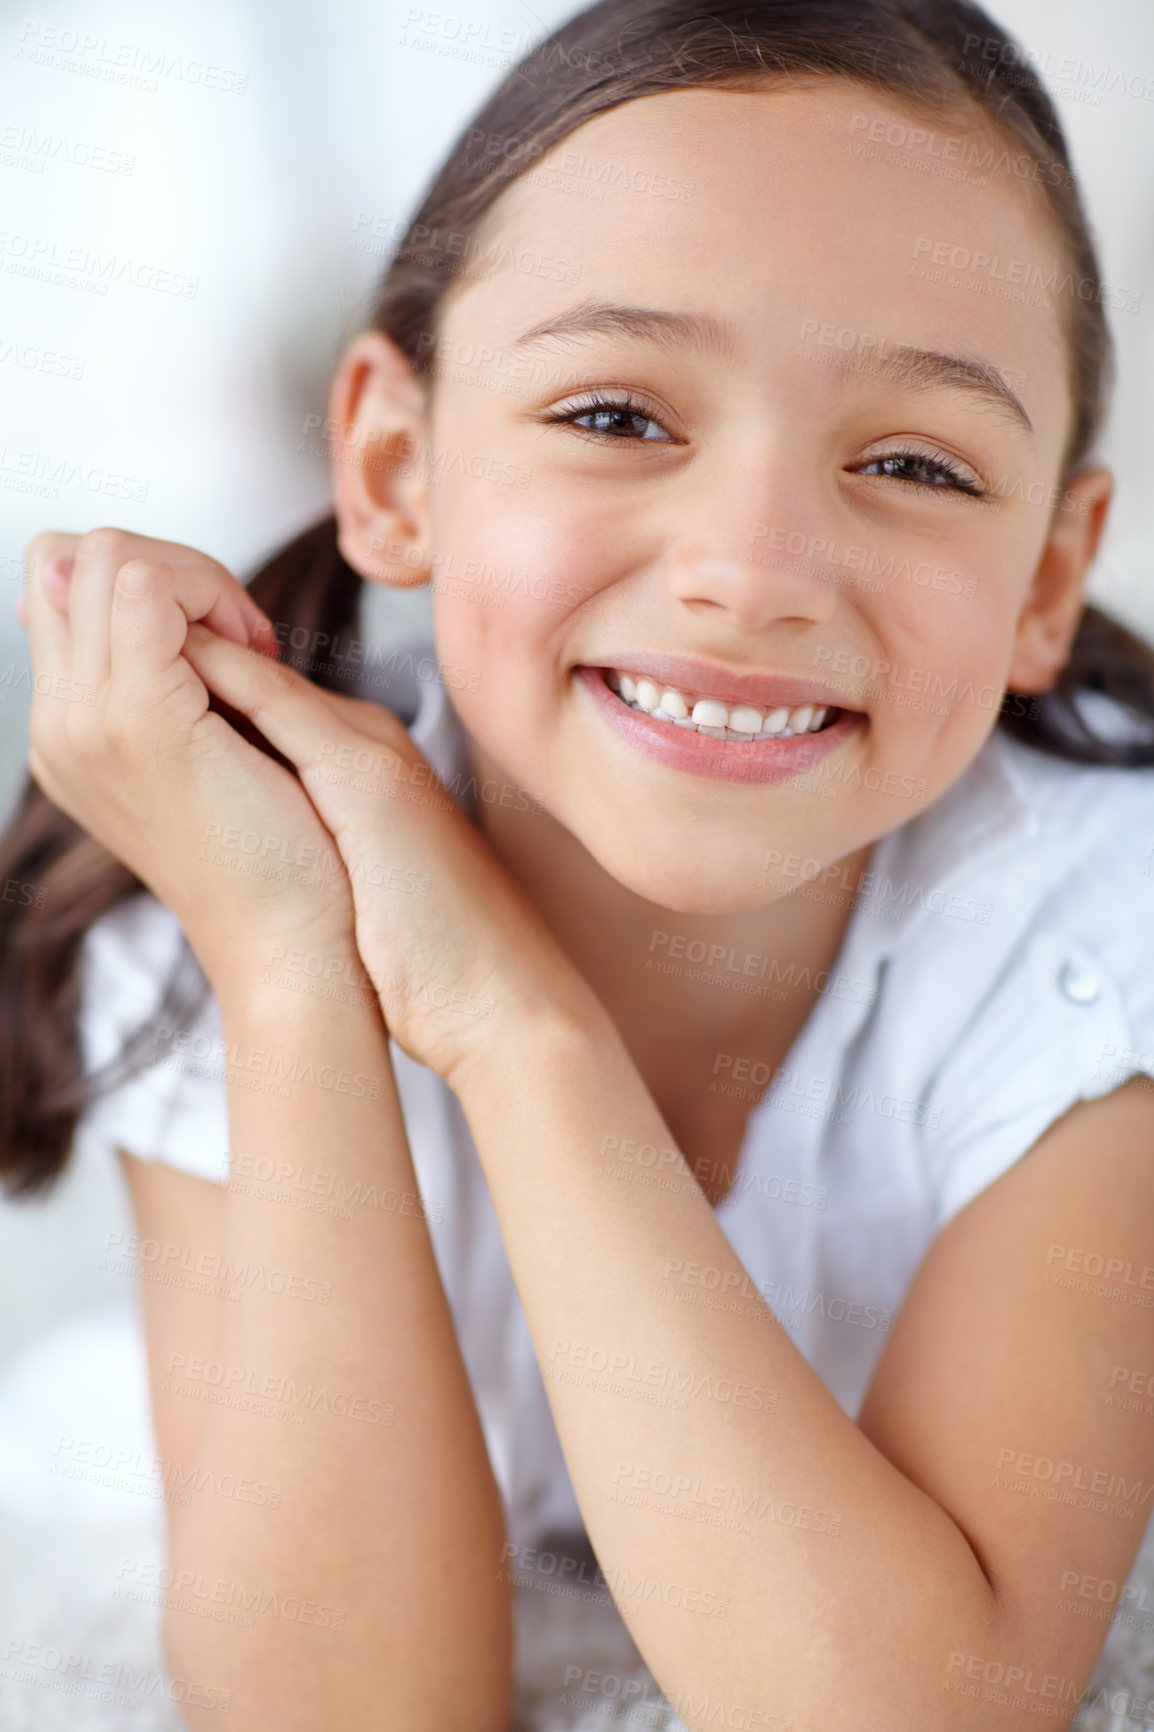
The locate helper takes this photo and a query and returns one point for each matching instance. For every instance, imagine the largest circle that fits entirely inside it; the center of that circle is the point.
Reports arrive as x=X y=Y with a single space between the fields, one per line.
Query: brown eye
x=619 y=420
x=936 y=473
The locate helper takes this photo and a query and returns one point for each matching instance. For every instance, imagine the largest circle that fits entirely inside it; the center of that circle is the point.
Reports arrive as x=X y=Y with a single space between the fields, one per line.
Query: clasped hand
x=131 y=640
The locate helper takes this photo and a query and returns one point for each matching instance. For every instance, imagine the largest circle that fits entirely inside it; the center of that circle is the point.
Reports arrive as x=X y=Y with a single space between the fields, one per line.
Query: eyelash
x=596 y=404
x=937 y=463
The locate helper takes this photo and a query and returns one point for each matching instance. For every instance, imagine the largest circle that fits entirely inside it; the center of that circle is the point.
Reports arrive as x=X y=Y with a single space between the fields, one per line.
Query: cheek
x=940 y=697
x=513 y=564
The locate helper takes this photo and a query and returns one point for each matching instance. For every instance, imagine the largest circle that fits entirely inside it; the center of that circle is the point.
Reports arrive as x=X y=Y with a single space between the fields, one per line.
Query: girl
x=632 y=1026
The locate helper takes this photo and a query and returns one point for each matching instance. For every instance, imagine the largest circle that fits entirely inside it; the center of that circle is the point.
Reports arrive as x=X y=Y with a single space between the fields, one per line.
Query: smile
x=743 y=723
x=789 y=740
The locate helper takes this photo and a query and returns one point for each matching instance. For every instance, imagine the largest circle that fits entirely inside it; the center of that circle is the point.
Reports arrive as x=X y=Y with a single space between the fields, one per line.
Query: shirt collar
x=989 y=812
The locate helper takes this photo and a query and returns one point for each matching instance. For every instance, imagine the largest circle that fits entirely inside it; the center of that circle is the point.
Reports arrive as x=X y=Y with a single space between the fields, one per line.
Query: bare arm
x=332 y=1510
x=364 y=1596
x=873 y=1574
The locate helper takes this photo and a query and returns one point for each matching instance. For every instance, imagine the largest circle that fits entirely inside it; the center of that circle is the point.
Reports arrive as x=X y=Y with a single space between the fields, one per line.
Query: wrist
x=296 y=979
x=531 y=1031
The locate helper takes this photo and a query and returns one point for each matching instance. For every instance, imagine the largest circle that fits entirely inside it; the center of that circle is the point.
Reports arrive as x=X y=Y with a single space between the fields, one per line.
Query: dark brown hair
x=942 y=58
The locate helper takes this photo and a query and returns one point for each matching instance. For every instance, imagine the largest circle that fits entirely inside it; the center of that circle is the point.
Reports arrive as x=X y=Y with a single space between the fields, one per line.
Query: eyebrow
x=901 y=364
x=930 y=369
x=672 y=330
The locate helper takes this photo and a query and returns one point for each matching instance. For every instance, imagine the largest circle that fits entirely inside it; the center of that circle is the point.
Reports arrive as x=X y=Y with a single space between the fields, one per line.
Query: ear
x=1049 y=618
x=377 y=418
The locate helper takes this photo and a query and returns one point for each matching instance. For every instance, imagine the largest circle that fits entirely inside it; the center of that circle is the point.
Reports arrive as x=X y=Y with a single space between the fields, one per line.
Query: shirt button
x=1078 y=983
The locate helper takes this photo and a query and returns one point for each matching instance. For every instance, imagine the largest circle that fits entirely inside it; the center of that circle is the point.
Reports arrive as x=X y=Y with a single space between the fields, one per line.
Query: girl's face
x=799 y=421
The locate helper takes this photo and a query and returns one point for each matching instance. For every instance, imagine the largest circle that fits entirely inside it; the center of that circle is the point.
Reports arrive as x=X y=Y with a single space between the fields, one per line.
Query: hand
x=454 y=950
x=125 y=742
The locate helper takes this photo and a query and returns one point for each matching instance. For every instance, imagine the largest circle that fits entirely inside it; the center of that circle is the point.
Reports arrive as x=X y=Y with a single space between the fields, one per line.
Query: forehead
x=823 y=200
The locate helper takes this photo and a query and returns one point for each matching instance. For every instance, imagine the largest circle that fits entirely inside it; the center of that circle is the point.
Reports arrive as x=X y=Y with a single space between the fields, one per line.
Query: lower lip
x=723 y=760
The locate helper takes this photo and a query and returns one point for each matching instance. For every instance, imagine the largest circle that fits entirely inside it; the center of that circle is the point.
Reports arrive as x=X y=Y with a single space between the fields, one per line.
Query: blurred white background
x=229 y=191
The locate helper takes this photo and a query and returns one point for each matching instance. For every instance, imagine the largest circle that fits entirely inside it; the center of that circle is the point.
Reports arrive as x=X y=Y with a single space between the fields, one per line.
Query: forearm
x=841 y=1616
x=389 y=1520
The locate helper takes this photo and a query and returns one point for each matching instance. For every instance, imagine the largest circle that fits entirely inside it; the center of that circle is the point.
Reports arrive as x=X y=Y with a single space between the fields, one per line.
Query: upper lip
x=688 y=675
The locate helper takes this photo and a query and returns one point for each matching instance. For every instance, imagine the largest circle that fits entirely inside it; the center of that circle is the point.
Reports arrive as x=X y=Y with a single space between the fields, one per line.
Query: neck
x=674 y=1025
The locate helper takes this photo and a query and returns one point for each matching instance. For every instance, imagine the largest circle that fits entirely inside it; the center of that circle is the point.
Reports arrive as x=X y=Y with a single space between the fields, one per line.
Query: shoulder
x=1021 y=978
x=1099 y=823
x=1083 y=880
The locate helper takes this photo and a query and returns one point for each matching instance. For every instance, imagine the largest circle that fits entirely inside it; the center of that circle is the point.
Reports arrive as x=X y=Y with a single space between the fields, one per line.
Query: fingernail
x=22 y=610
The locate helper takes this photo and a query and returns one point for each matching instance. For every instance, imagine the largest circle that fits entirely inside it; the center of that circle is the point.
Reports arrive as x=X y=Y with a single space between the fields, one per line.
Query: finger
x=154 y=603
x=304 y=726
x=293 y=715
x=49 y=544
x=204 y=589
x=367 y=717
x=49 y=635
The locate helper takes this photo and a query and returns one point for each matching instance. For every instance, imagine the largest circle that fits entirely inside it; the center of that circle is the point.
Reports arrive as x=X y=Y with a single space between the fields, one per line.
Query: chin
x=699 y=888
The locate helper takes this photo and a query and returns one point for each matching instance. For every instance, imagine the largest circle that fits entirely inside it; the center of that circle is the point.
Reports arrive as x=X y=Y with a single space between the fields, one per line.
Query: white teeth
x=708 y=713
x=720 y=721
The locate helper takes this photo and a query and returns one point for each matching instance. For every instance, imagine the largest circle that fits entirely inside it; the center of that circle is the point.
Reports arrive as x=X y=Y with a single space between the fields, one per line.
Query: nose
x=754 y=546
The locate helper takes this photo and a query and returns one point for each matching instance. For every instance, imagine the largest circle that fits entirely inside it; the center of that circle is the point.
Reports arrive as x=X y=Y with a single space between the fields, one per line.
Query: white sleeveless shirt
x=997 y=968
